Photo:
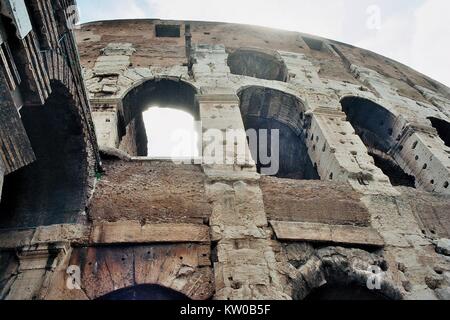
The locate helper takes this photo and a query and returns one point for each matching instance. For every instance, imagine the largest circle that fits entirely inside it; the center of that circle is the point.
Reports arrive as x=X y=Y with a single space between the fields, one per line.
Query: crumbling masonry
x=362 y=197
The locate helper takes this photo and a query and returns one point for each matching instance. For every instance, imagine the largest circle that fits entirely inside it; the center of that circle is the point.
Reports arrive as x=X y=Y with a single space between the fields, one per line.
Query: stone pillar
x=106 y=126
x=245 y=266
x=340 y=155
x=36 y=266
x=422 y=154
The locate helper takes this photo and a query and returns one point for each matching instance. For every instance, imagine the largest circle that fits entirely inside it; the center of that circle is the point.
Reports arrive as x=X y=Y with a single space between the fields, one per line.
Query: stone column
x=36 y=267
x=340 y=155
x=422 y=154
x=246 y=267
x=106 y=123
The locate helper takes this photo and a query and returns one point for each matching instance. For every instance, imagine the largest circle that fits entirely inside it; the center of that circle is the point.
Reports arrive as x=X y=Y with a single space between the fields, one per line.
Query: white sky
x=414 y=32
x=177 y=138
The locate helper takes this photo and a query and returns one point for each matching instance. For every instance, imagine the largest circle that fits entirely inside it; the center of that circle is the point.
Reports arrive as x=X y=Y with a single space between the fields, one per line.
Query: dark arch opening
x=258 y=64
x=267 y=109
x=53 y=189
x=145 y=293
x=375 y=126
x=352 y=292
x=443 y=129
x=163 y=93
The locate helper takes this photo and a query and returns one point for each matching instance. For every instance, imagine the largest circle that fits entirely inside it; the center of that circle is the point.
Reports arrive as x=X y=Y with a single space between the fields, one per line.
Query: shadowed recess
x=443 y=129
x=258 y=64
x=375 y=126
x=268 y=109
x=330 y=292
x=53 y=189
x=145 y=293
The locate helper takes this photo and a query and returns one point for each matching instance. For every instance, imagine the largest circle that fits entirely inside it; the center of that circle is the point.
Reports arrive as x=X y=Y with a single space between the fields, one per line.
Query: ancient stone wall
x=343 y=209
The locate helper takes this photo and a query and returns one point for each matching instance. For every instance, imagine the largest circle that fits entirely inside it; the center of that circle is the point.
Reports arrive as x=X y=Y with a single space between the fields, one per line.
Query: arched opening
x=258 y=64
x=269 y=109
x=443 y=129
x=351 y=292
x=53 y=189
x=375 y=126
x=159 y=119
x=145 y=293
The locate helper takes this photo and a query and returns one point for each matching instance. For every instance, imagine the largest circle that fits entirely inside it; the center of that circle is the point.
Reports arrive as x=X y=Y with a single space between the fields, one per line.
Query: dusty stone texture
x=152 y=192
x=135 y=232
x=409 y=242
x=431 y=211
x=313 y=201
x=327 y=233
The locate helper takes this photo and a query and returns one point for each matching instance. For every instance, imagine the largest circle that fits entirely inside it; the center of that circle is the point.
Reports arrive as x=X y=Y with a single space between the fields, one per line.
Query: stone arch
x=175 y=267
x=378 y=128
x=335 y=270
x=443 y=129
x=163 y=92
x=55 y=188
x=265 y=108
x=258 y=63
x=148 y=292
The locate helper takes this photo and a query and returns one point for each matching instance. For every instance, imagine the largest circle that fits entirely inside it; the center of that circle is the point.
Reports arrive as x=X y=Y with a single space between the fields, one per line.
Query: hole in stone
x=236 y=285
x=443 y=129
x=439 y=271
x=313 y=44
x=259 y=64
x=415 y=145
x=167 y=31
x=446 y=184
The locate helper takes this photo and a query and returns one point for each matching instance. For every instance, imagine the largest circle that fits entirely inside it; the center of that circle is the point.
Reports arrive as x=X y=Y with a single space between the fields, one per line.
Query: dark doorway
x=145 y=293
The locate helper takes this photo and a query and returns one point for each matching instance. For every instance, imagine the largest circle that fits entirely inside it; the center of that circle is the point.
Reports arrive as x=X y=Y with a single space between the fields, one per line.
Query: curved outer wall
x=225 y=231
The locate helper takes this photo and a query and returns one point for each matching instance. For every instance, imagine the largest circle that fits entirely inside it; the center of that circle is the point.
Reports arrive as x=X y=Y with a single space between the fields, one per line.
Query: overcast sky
x=414 y=32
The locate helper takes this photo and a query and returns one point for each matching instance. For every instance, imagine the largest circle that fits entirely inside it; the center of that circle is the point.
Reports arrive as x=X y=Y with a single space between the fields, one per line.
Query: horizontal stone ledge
x=12 y=239
x=218 y=98
x=132 y=232
x=123 y=232
x=316 y=232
